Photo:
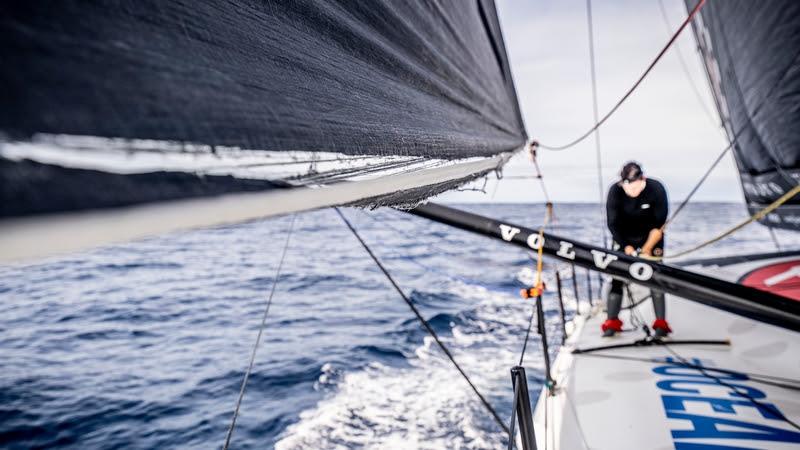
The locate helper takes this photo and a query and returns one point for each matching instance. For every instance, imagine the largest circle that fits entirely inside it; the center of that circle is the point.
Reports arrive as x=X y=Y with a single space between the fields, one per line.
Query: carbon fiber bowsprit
x=752 y=303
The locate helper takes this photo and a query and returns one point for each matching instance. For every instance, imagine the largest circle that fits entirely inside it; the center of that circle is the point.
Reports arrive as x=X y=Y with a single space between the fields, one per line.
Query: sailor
x=636 y=209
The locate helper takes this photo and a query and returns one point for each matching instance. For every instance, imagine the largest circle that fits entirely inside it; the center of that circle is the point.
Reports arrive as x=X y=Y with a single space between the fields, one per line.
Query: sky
x=667 y=126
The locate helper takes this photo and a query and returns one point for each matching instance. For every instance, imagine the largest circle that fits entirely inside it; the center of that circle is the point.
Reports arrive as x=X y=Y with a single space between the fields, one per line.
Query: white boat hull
x=648 y=402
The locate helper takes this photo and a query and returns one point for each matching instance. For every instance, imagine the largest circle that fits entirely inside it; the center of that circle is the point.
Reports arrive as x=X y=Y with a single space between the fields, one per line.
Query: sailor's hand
x=629 y=250
x=653 y=238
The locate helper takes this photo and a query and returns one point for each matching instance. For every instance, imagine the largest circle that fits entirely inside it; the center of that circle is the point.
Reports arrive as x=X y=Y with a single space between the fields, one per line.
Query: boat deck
x=646 y=398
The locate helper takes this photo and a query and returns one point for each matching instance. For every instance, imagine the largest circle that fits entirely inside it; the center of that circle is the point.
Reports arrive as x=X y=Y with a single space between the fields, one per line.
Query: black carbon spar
x=735 y=298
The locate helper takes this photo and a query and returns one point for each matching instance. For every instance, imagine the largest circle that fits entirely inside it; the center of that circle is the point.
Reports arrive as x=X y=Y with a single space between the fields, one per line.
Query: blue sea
x=144 y=345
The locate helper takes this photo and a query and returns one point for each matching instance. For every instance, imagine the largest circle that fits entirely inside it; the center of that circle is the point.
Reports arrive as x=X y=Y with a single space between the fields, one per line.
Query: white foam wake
x=426 y=405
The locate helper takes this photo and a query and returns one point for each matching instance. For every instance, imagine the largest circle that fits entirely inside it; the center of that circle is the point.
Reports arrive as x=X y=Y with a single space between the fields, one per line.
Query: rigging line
x=699 y=183
x=734 y=140
x=632 y=88
x=727 y=122
x=494 y=190
x=746 y=395
x=774 y=239
x=260 y=332
x=758 y=378
x=635 y=303
x=636 y=319
x=384 y=221
x=527 y=335
x=757 y=216
x=685 y=68
x=649 y=342
x=424 y=322
x=596 y=116
x=730 y=146
x=413 y=258
x=541 y=183
x=538 y=282
x=480 y=189
x=533 y=153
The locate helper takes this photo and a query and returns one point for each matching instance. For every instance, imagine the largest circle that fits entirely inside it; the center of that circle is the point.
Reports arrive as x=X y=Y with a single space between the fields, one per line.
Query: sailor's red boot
x=611 y=327
x=661 y=327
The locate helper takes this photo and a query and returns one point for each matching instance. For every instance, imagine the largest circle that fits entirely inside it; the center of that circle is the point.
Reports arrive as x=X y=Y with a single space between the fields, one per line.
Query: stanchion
x=561 y=307
x=575 y=288
x=522 y=410
x=589 y=286
x=542 y=329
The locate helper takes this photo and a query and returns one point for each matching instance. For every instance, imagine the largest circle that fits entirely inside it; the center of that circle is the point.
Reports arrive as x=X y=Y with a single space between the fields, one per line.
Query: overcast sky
x=665 y=125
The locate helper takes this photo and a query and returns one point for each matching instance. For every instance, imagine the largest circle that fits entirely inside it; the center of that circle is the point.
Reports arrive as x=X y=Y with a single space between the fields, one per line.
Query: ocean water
x=144 y=345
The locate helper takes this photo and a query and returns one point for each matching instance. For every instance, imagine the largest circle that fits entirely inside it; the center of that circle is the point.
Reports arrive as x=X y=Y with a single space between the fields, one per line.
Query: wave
x=426 y=404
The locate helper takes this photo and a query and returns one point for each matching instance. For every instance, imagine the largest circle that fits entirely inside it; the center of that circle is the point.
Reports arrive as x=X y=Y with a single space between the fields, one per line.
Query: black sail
x=422 y=79
x=751 y=51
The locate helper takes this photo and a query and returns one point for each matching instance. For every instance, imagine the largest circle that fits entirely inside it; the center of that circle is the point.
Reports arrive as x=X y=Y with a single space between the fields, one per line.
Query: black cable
x=634 y=304
x=258 y=337
x=649 y=342
x=424 y=322
x=636 y=319
x=729 y=147
x=385 y=221
x=702 y=180
x=746 y=395
x=630 y=91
